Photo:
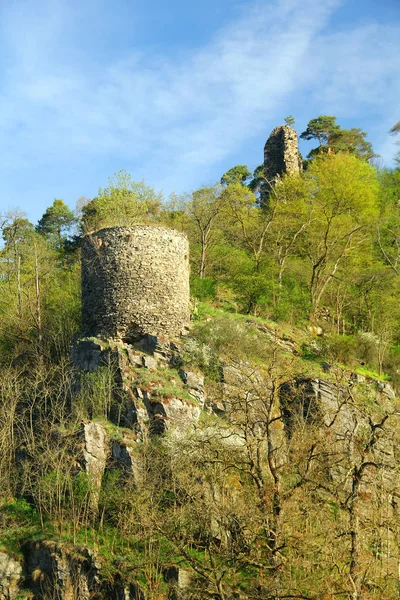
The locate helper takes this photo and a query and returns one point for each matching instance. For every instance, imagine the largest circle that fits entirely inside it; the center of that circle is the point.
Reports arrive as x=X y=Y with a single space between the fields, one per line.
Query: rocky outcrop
x=135 y=281
x=67 y=572
x=10 y=577
x=195 y=385
x=179 y=580
x=358 y=420
x=94 y=456
x=147 y=394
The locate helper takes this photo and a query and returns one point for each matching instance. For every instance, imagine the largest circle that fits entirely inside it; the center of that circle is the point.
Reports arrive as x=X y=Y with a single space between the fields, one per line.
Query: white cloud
x=175 y=119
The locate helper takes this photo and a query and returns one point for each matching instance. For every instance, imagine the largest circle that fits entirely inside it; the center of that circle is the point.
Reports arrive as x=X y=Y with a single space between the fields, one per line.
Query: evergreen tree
x=56 y=222
x=332 y=139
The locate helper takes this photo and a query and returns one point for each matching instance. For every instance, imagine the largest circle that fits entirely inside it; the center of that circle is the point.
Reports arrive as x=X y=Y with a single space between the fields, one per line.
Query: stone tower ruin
x=281 y=153
x=135 y=281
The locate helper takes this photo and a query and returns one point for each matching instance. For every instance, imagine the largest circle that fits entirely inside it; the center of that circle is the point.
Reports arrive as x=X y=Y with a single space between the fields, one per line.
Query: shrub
x=341 y=348
x=367 y=344
x=204 y=288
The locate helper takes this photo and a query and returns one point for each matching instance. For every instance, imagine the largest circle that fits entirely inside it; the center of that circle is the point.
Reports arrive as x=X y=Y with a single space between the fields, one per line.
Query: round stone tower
x=135 y=281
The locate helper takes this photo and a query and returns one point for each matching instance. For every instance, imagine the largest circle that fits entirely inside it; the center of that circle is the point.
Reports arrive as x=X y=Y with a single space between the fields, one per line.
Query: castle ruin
x=135 y=281
x=281 y=153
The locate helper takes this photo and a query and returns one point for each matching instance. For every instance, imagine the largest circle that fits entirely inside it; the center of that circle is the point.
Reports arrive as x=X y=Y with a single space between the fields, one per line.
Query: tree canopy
x=56 y=222
x=237 y=174
x=122 y=202
x=332 y=138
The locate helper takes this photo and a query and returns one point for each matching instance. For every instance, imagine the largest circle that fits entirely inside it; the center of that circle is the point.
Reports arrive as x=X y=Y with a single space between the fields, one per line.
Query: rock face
x=147 y=397
x=65 y=572
x=94 y=456
x=135 y=281
x=281 y=153
x=10 y=577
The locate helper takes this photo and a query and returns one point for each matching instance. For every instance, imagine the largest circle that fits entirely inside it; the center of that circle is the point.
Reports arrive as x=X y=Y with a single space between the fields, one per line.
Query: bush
x=203 y=288
x=367 y=345
x=342 y=348
x=96 y=393
x=392 y=366
x=227 y=336
x=198 y=354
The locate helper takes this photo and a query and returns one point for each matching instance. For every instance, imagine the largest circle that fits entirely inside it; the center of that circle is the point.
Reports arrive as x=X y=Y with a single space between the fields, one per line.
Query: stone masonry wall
x=281 y=153
x=135 y=281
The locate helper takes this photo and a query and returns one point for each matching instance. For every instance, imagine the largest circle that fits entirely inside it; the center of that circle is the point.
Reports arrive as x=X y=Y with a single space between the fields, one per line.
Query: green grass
x=367 y=372
x=163 y=383
x=19 y=521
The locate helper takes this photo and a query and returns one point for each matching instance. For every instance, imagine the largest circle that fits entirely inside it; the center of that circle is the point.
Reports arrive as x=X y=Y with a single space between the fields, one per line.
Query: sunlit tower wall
x=135 y=281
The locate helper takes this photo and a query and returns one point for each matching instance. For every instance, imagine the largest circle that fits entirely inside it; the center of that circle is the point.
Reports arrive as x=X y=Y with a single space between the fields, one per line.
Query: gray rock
x=315 y=329
x=10 y=577
x=386 y=389
x=94 y=455
x=86 y=355
x=170 y=412
x=195 y=383
x=149 y=362
x=178 y=577
x=124 y=455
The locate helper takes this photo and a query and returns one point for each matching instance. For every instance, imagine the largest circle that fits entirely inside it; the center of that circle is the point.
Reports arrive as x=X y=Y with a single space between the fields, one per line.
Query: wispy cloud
x=176 y=118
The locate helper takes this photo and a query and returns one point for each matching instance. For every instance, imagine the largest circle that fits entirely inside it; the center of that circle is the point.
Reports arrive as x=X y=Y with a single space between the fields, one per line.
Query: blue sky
x=177 y=92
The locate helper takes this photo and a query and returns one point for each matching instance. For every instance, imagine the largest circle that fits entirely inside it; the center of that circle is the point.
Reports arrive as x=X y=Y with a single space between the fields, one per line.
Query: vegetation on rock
x=287 y=486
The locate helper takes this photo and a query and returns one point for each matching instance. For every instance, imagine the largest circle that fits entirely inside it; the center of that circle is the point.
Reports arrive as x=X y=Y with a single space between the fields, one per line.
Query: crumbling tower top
x=281 y=153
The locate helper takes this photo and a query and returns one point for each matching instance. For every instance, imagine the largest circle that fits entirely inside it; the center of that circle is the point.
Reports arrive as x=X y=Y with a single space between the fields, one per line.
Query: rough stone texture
x=138 y=407
x=179 y=579
x=331 y=407
x=123 y=454
x=281 y=153
x=10 y=577
x=94 y=455
x=86 y=355
x=165 y=412
x=59 y=573
x=195 y=383
x=135 y=281
x=64 y=572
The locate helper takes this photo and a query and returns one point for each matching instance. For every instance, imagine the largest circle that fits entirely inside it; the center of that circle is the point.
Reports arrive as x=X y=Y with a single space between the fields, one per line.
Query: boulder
x=10 y=576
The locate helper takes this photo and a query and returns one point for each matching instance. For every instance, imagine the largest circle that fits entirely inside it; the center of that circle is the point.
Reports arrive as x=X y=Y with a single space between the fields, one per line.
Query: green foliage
x=239 y=174
x=96 y=393
x=56 y=222
x=290 y=120
x=247 y=514
x=332 y=139
x=341 y=348
x=16 y=230
x=321 y=128
x=122 y=202
x=200 y=355
x=227 y=337
x=257 y=181
x=20 y=510
x=204 y=288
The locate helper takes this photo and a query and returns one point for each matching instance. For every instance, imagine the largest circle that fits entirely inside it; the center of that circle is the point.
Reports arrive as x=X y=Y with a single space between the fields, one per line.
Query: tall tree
x=238 y=174
x=56 y=222
x=332 y=139
x=343 y=193
x=204 y=209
